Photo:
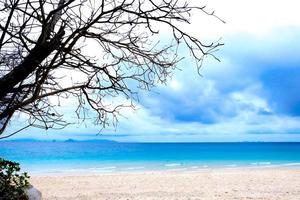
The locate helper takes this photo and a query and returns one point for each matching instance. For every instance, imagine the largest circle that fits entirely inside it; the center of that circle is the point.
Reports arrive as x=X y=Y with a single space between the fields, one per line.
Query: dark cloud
x=269 y=64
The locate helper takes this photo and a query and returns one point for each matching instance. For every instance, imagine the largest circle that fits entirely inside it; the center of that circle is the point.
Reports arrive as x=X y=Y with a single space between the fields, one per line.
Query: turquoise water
x=56 y=157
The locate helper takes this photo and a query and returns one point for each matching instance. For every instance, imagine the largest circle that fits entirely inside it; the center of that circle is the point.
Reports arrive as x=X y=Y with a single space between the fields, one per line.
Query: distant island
x=102 y=141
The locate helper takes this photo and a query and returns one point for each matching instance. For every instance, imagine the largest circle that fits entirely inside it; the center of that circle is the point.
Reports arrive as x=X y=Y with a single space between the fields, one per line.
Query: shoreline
x=182 y=169
x=219 y=184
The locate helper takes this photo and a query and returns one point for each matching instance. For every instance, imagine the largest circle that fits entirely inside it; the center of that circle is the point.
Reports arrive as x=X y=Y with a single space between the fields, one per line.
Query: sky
x=252 y=94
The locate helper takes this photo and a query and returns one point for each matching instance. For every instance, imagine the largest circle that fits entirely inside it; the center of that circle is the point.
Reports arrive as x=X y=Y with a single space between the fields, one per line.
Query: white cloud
x=248 y=99
x=230 y=92
x=254 y=17
x=251 y=126
x=175 y=85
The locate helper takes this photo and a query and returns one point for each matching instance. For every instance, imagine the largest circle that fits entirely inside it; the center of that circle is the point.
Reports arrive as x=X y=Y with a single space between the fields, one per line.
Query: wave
x=168 y=166
x=291 y=164
x=133 y=168
x=231 y=165
x=172 y=165
x=261 y=163
x=270 y=165
x=102 y=168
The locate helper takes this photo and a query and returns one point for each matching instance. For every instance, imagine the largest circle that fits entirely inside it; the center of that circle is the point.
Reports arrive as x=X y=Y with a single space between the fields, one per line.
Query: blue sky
x=253 y=94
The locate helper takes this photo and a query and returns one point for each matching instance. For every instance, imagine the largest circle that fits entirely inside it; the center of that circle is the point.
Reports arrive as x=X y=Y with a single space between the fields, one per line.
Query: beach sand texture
x=211 y=184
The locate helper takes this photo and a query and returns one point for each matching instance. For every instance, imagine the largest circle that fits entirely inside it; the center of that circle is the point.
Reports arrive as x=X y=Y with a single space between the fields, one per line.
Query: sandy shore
x=233 y=184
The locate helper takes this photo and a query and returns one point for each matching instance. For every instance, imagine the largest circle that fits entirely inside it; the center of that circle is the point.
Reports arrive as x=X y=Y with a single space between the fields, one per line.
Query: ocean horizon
x=108 y=156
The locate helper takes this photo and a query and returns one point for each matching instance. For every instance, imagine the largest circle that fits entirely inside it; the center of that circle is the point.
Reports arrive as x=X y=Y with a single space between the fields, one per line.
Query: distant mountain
x=70 y=140
x=101 y=141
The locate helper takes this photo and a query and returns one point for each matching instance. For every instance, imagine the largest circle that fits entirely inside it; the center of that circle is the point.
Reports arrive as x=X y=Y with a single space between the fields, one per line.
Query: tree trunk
x=30 y=63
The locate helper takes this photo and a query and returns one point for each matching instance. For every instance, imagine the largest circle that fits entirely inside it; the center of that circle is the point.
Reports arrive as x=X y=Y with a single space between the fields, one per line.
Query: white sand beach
x=211 y=184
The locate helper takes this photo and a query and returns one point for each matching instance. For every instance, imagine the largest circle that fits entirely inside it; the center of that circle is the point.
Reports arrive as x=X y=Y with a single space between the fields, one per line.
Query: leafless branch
x=92 y=51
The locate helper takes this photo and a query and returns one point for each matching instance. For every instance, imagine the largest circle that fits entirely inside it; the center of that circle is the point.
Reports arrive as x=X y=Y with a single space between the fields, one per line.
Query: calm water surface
x=55 y=157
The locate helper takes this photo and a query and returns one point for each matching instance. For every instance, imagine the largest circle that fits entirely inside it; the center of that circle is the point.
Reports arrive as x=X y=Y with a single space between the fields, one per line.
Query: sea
x=40 y=157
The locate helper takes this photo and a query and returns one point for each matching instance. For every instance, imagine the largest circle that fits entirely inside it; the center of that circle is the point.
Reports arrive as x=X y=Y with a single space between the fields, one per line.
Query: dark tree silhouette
x=90 y=50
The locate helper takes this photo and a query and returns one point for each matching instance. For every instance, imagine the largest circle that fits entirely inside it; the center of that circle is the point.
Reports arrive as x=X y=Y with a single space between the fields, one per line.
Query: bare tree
x=89 y=50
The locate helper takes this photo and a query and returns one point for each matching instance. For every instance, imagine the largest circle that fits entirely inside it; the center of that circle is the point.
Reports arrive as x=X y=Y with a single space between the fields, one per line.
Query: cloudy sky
x=253 y=94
